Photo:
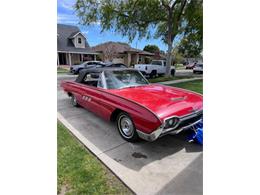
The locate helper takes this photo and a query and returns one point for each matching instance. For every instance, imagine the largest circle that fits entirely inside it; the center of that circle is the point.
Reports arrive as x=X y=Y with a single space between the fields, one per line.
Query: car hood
x=162 y=100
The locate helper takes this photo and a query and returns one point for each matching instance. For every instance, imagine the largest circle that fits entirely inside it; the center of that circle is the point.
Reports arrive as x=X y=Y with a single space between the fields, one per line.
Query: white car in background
x=156 y=67
x=198 y=68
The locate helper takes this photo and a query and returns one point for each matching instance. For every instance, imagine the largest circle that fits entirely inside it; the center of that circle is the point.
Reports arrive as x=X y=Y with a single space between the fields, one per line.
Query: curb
x=89 y=146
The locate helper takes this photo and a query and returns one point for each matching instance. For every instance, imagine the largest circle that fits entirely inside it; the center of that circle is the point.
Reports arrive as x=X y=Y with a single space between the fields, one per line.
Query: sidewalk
x=179 y=81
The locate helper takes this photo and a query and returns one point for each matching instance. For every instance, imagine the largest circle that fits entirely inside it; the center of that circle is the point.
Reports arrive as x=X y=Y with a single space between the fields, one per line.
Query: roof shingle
x=64 y=43
x=119 y=47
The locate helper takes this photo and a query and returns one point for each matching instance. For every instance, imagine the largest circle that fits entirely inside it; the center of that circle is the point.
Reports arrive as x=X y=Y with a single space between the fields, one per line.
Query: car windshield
x=118 y=79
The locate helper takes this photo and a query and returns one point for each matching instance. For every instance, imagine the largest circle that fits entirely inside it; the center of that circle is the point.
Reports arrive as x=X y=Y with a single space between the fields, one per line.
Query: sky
x=66 y=15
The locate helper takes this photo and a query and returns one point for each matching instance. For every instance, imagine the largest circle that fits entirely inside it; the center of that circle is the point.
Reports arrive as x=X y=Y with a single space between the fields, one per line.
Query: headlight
x=170 y=123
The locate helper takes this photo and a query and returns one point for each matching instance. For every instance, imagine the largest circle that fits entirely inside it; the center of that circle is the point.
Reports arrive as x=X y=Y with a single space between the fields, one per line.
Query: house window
x=79 y=40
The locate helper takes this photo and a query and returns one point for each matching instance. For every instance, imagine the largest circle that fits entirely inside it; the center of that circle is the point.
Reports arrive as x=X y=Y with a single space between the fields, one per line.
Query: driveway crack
x=112 y=148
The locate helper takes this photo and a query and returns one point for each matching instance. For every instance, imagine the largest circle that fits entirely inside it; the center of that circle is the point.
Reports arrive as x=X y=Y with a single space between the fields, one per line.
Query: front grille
x=189 y=121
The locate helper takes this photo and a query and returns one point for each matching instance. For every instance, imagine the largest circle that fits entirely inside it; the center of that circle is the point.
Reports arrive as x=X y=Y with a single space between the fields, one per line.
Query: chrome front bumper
x=177 y=129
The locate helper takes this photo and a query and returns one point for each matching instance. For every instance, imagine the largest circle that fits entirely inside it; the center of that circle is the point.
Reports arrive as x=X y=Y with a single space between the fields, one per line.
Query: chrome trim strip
x=103 y=80
x=143 y=76
x=191 y=115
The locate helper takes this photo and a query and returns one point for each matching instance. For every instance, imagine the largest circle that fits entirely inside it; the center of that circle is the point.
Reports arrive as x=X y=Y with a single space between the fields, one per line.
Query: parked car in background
x=191 y=65
x=116 y=65
x=139 y=109
x=156 y=67
x=198 y=68
x=103 y=65
x=74 y=69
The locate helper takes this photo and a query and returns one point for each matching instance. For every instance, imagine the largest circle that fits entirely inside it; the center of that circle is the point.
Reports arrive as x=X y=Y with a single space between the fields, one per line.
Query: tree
x=152 y=48
x=139 y=17
x=109 y=52
x=190 y=47
x=178 y=57
x=191 y=44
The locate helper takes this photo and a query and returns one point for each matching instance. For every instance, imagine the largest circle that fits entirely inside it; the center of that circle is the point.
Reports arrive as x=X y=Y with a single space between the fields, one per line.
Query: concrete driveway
x=169 y=165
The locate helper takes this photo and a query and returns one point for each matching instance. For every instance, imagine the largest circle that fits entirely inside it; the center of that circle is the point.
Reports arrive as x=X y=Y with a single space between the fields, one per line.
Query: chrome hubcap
x=127 y=126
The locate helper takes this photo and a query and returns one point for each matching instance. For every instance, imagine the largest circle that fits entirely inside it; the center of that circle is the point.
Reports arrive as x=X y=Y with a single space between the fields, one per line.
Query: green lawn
x=80 y=172
x=62 y=70
x=162 y=79
x=179 y=67
x=196 y=86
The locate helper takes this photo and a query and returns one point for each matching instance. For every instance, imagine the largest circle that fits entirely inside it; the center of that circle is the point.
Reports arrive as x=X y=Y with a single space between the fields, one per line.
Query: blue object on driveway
x=197 y=133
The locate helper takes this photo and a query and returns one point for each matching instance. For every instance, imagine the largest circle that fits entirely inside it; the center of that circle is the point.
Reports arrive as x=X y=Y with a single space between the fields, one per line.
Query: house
x=72 y=46
x=119 y=52
x=160 y=55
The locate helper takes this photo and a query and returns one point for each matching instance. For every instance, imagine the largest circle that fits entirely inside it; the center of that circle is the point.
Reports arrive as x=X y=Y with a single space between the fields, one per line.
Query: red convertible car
x=140 y=109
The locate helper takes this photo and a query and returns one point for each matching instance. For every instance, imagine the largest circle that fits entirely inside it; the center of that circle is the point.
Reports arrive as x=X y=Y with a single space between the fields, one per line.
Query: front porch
x=69 y=59
x=132 y=58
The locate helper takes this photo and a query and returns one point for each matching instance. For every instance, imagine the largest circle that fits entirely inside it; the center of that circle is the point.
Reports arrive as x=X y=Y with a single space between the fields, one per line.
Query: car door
x=160 y=67
x=94 y=100
x=164 y=67
x=88 y=64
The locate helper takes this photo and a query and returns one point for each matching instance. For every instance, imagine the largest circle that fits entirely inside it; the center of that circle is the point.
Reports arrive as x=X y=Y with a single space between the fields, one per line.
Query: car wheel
x=126 y=127
x=74 y=101
x=173 y=72
x=153 y=74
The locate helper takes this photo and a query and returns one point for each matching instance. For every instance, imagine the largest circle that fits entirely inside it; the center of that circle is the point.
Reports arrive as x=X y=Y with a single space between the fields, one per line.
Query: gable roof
x=64 y=42
x=119 y=47
x=73 y=35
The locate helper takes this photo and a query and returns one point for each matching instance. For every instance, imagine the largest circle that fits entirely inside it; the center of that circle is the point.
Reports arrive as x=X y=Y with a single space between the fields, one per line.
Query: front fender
x=144 y=119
